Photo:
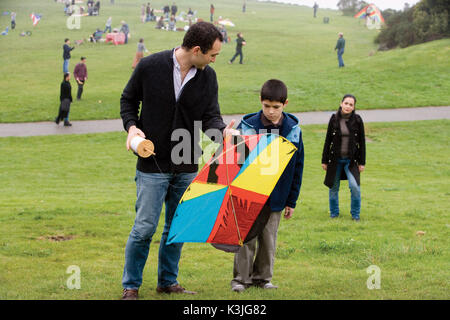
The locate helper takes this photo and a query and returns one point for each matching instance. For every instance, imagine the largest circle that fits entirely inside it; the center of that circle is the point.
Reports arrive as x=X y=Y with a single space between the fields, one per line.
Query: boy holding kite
x=258 y=270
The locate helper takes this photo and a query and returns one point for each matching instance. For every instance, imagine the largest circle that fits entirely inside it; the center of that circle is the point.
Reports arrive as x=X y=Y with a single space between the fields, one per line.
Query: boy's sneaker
x=269 y=285
x=67 y=124
x=356 y=219
x=237 y=288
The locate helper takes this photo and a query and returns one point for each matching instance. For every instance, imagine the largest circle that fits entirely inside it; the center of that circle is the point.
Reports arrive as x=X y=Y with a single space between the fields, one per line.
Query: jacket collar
x=253 y=120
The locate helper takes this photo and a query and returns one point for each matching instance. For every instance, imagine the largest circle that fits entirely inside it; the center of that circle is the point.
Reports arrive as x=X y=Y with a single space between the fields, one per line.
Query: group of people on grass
x=160 y=180
x=80 y=74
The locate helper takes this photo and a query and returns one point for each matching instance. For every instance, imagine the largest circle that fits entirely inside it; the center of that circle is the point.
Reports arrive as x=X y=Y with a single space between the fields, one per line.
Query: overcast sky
x=381 y=4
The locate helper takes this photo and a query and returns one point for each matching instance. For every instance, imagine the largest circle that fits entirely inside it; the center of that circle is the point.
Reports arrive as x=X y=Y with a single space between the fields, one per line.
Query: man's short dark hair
x=274 y=90
x=202 y=34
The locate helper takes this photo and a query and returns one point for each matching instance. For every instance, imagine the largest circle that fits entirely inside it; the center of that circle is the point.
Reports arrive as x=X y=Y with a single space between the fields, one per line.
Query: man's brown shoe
x=176 y=288
x=130 y=294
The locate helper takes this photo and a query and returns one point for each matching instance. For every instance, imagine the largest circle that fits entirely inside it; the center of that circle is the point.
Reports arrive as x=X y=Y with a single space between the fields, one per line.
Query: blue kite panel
x=194 y=219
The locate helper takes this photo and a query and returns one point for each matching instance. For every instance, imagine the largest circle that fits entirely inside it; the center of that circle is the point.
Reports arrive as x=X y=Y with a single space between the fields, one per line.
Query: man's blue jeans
x=355 y=190
x=339 y=54
x=154 y=189
x=66 y=66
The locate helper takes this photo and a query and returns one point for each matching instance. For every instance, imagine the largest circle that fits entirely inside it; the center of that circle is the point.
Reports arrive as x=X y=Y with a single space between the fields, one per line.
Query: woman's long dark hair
x=348 y=95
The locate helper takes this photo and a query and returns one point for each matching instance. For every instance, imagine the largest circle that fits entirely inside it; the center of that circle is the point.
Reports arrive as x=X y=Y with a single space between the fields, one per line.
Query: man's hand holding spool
x=136 y=141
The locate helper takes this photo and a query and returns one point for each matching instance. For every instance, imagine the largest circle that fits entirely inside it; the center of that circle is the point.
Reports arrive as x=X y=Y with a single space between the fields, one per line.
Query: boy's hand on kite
x=288 y=211
x=132 y=132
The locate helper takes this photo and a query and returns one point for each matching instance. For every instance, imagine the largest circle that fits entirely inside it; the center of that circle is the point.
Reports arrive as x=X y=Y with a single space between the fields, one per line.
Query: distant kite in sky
x=372 y=15
x=35 y=18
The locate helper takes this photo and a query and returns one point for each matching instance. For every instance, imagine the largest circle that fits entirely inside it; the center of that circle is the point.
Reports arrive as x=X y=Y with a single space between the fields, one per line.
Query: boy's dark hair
x=66 y=39
x=65 y=76
x=82 y=58
x=274 y=90
x=202 y=34
x=348 y=95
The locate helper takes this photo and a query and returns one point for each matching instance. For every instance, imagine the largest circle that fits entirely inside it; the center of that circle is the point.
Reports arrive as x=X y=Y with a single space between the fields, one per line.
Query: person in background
x=108 y=25
x=344 y=155
x=240 y=41
x=80 y=74
x=139 y=53
x=340 y=46
x=65 y=98
x=166 y=10
x=160 y=24
x=145 y=12
x=13 y=20
x=126 y=30
x=315 y=7
x=172 y=24
x=66 y=55
x=211 y=11
x=174 y=9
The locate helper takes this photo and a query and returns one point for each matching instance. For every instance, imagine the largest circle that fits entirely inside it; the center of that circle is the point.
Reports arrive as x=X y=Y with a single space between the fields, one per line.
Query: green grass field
x=81 y=187
x=284 y=42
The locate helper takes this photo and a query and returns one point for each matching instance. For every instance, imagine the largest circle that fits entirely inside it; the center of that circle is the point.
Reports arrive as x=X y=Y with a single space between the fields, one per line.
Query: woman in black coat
x=344 y=155
x=66 y=98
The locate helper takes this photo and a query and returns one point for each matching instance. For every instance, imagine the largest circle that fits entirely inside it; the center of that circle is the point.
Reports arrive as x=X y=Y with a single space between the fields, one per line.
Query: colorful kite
x=225 y=199
x=370 y=11
x=35 y=18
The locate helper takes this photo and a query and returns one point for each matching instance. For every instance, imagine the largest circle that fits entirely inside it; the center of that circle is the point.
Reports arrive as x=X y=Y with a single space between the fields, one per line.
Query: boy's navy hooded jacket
x=287 y=189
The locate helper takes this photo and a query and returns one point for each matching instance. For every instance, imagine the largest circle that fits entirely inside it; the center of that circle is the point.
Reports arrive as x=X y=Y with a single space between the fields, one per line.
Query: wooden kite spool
x=143 y=147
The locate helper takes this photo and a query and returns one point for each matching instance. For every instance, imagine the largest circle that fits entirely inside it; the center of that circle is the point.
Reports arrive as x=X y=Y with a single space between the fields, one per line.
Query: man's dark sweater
x=160 y=114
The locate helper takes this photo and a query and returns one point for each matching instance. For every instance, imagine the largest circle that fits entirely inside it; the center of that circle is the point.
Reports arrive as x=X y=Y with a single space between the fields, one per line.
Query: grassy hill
x=284 y=41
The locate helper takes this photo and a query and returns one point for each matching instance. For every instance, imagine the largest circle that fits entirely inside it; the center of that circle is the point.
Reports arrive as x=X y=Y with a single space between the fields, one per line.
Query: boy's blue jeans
x=355 y=190
x=154 y=189
x=66 y=66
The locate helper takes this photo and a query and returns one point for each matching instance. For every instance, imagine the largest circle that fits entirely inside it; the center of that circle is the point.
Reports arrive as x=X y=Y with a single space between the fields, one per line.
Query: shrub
x=426 y=21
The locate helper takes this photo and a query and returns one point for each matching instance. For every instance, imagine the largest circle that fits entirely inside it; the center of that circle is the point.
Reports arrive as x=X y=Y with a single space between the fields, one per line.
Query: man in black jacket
x=178 y=92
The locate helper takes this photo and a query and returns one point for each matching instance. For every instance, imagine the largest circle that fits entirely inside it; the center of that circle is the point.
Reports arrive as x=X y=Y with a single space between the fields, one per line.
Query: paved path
x=320 y=117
